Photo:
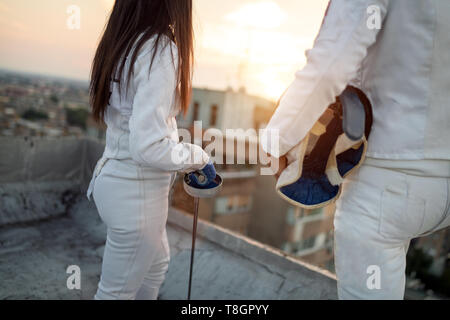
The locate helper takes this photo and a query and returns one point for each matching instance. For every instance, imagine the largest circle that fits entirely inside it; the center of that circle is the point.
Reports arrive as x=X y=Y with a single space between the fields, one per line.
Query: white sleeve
x=349 y=29
x=150 y=135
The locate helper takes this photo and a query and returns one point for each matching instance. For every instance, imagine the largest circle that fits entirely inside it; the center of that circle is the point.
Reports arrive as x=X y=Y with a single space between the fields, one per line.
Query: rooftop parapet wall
x=231 y=266
x=39 y=177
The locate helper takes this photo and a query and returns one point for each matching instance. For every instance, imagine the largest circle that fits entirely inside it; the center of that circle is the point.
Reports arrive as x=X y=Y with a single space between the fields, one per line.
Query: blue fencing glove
x=203 y=178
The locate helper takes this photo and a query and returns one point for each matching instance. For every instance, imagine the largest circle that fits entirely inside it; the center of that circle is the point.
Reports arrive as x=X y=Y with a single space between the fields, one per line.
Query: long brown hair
x=128 y=20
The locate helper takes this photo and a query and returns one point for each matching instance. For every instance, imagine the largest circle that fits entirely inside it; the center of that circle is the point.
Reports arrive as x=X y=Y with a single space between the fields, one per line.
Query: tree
x=54 y=99
x=34 y=115
x=77 y=117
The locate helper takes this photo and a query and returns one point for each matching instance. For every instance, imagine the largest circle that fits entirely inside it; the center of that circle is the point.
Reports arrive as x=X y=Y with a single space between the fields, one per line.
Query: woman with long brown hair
x=141 y=79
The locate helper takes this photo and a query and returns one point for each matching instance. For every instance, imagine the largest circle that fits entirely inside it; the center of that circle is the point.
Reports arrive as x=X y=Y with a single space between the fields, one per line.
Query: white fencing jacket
x=141 y=122
x=403 y=67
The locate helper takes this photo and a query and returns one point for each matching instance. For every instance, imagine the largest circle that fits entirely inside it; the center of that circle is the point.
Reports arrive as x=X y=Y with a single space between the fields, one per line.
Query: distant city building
x=304 y=234
x=224 y=110
x=309 y=235
x=227 y=109
x=37 y=106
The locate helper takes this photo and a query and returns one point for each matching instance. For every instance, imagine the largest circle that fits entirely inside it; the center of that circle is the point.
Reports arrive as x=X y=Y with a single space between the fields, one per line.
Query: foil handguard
x=204 y=183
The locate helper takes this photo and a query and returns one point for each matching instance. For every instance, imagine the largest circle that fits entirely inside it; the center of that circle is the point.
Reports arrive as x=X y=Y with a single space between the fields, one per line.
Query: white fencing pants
x=133 y=203
x=379 y=212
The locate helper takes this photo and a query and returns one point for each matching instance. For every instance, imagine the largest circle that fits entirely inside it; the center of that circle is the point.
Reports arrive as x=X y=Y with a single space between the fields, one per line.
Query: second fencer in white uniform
x=397 y=53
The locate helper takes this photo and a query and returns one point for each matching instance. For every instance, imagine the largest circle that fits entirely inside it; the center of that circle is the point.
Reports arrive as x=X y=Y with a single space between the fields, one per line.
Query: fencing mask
x=334 y=148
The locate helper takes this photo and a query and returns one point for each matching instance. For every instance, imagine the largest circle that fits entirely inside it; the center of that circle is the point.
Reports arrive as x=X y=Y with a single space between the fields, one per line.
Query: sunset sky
x=256 y=43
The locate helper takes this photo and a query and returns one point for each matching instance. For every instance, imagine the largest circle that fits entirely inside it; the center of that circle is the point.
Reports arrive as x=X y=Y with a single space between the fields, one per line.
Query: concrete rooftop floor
x=34 y=258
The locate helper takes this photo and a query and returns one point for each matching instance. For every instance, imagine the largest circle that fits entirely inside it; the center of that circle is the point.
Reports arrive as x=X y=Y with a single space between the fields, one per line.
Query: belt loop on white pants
x=100 y=164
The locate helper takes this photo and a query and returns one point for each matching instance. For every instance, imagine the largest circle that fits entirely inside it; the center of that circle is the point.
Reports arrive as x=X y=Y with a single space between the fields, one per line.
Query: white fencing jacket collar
x=403 y=68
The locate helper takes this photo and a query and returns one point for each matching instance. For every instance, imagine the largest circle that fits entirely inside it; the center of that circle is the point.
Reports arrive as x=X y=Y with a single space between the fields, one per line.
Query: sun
x=271 y=83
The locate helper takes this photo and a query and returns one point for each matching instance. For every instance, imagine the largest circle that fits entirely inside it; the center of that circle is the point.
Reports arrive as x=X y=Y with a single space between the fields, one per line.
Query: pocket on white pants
x=402 y=214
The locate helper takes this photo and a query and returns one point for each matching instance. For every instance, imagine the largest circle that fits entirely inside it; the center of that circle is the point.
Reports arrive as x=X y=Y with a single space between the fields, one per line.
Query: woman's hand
x=203 y=178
